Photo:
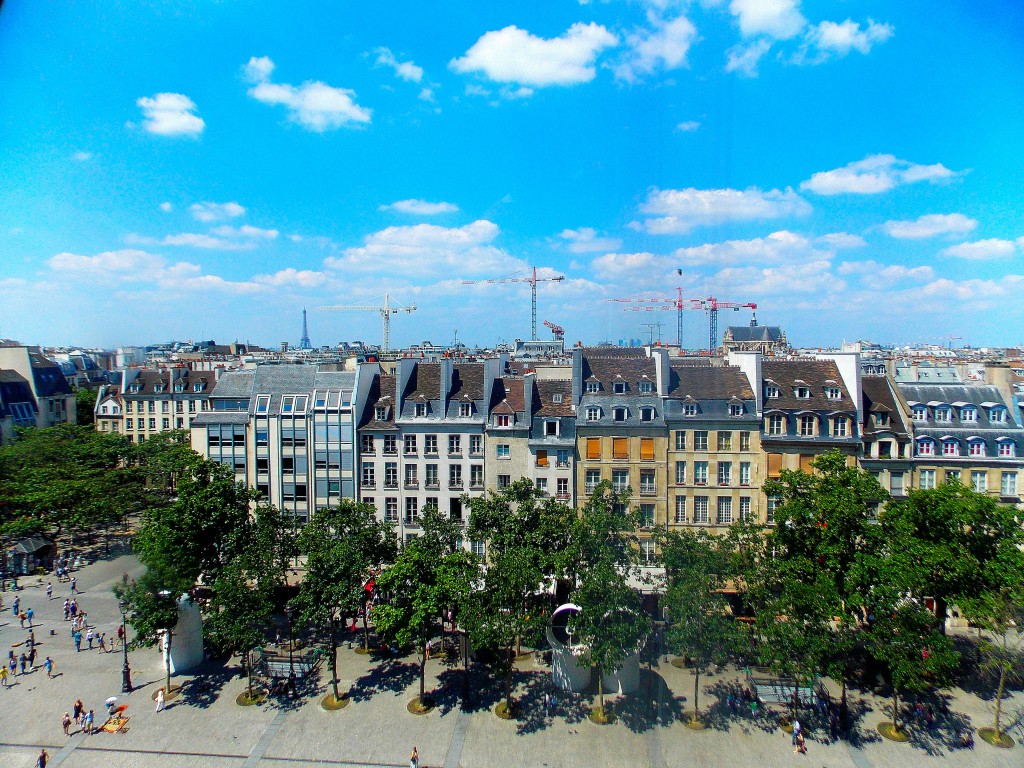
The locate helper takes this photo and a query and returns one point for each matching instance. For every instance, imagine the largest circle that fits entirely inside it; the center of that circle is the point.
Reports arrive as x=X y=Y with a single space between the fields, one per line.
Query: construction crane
x=532 y=279
x=557 y=330
x=712 y=305
x=664 y=303
x=386 y=311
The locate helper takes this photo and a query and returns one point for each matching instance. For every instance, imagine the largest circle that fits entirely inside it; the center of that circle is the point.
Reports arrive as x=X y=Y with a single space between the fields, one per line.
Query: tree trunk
x=999 y=699
x=508 y=680
x=600 y=691
x=940 y=613
x=366 y=627
x=248 y=671
x=167 y=687
x=423 y=672
x=334 y=657
x=895 y=710
x=843 y=705
x=696 y=693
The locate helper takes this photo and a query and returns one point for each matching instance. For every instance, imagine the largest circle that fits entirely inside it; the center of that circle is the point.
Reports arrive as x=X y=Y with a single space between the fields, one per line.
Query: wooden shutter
x=647 y=449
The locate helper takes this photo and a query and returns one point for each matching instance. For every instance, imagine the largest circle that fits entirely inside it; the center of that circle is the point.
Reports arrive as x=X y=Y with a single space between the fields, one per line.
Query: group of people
x=79 y=716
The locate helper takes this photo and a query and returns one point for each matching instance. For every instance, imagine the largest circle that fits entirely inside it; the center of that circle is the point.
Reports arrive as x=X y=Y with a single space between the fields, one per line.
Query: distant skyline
x=207 y=169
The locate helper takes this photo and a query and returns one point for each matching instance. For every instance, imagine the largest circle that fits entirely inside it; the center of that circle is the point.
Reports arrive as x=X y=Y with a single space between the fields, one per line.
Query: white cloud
x=170 y=114
x=688 y=126
x=82 y=157
x=166 y=207
x=206 y=211
x=680 y=210
x=930 y=225
x=426 y=94
x=585 y=240
x=832 y=40
x=879 y=277
x=405 y=70
x=779 y=19
x=245 y=231
x=419 y=207
x=223 y=238
x=874 y=174
x=428 y=250
x=663 y=46
x=778 y=247
x=513 y=55
x=744 y=58
x=814 y=277
x=302 y=278
x=643 y=267
x=841 y=240
x=313 y=105
x=979 y=250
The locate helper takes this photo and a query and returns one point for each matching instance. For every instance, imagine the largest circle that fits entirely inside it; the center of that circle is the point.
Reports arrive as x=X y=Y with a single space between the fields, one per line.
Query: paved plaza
x=205 y=727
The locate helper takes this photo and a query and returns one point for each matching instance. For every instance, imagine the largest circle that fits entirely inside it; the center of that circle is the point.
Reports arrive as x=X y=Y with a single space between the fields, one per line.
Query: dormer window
x=771 y=391
x=976 y=448
x=619 y=387
x=465 y=409
x=968 y=415
x=925 y=447
x=802 y=392
x=1007 y=449
x=197 y=387
x=920 y=413
x=288 y=404
x=380 y=413
x=689 y=409
x=950 y=448
x=645 y=387
x=179 y=387
x=134 y=389
x=735 y=409
x=881 y=419
x=556 y=398
x=619 y=414
x=421 y=409
x=944 y=413
x=997 y=415
x=646 y=414
x=158 y=389
x=502 y=420
x=833 y=393
x=262 y=403
x=593 y=414
x=593 y=386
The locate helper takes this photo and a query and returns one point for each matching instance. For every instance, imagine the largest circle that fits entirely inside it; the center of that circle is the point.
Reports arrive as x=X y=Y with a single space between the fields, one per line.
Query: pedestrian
x=32 y=658
x=547 y=703
x=49 y=591
x=801 y=745
x=74 y=608
x=103 y=642
x=414 y=759
x=49 y=667
x=74 y=585
x=16 y=605
x=796 y=731
x=13 y=665
x=66 y=722
x=160 y=700
x=24 y=663
x=78 y=641
x=120 y=635
x=21 y=617
x=30 y=639
x=79 y=710
x=87 y=722
x=29 y=614
x=88 y=638
x=43 y=759
x=67 y=609
x=3 y=676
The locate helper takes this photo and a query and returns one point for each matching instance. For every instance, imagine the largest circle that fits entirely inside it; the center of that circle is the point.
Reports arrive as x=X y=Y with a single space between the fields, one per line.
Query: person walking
x=21 y=617
x=796 y=731
x=160 y=700
x=414 y=758
x=67 y=609
x=3 y=676
x=78 y=641
x=49 y=667
x=43 y=759
x=28 y=615
x=74 y=585
x=88 y=638
x=87 y=722
x=49 y=591
x=16 y=605
x=12 y=663
x=79 y=710
x=102 y=642
x=120 y=635
x=74 y=608
x=32 y=658
x=66 y=722
x=24 y=663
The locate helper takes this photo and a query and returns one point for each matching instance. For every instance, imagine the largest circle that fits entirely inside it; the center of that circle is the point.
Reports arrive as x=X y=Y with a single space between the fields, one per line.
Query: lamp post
x=288 y=611
x=165 y=594
x=126 y=672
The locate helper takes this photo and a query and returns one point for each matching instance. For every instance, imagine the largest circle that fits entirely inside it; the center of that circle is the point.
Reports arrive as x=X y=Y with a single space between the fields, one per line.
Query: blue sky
x=206 y=169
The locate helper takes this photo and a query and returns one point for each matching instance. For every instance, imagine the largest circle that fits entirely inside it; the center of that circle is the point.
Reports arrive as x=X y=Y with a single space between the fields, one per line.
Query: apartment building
x=17 y=404
x=965 y=433
x=149 y=401
x=714 y=447
x=552 y=437
x=287 y=431
x=52 y=400
x=887 y=439
x=507 y=434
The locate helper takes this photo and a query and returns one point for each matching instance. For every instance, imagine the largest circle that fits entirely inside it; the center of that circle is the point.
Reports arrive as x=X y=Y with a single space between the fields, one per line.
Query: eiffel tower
x=304 y=342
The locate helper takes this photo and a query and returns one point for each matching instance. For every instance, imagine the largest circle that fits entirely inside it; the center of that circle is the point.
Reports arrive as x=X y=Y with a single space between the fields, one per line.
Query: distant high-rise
x=304 y=342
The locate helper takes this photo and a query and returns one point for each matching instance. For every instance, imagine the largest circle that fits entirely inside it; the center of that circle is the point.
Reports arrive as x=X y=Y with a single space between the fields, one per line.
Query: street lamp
x=288 y=611
x=126 y=672
x=165 y=594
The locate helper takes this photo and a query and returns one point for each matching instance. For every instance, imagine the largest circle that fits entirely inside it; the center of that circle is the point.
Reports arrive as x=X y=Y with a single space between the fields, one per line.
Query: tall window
x=391 y=475
x=455 y=476
x=724 y=472
x=620 y=448
x=542 y=458
x=649 y=551
x=646 y=515
x=724 y=510
x=646 y=449
x=455 y=445
x=412 y=510
x=410 y=445
x=700 y=441
x=411 y=479
x=562 y=487
x=681 y=440
x=744 y=473
x=592 y=478
x=430 y=476
x=620 y=480
x=700 y=509
x=700 y=473
x=476 y=476
x=369 y=481
x=647 y=482
x=391 y=509
x=680 y=509
x=744 y=508
x=807 y=424
x=926 y=479
x=725 y=441
x=744 y=441
x=476 y=445
x=593 y=448
x=775 y=424
x=979 y=481
x=391 y=444
x=680 y=472
x=366 y=443
x=430 y=445
x=952 y=475
x=772 y=505
x=1008 y=484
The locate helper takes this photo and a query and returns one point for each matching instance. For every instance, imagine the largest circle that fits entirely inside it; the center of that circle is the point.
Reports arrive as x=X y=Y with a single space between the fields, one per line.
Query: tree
x=522 y=530
x=343 y=546
x=603 y=552
x=85 y=405
x=152 y=605
x=916 y=655
x=949 y=543
x=430 y=573
x=702 y=628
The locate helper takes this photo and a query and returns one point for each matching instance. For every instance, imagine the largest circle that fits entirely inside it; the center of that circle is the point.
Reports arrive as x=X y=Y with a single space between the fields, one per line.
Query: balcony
x=476 y=485
x=432 y=486
x=411 y=485
x=368 y=484
x=391 y=485
x=562 y=464
x=564 y=496
x=455 y=484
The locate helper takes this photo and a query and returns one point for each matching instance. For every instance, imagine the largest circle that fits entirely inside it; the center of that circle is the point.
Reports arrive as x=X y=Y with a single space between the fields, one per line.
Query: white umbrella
x=111 y=700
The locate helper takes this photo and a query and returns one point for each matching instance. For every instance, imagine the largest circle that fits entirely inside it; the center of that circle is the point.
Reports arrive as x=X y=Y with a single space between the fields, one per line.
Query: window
x=412 y=510
x=896 y=484
x=551 y=428
x=950 y=448
x=430 y=476
x=1008 y=484
x=700 y=473
x=465 y=410
x=479 y=549
x=807 y=425
x=646 y=515
x=593 y=448
x=288 y=404
x=411 y=477
x=150 y=406
x=833 y=393
x=648 y=552
x=476 y=476
x=430 y=445
x=262 y=403
x=542 y=458
x=724 y=510
x=165 y=407
x=744 y=473
x=619 y=414
x=391 y=444
x=1006 y=448
x=776 y=424
x=968 y=415
x=725 y=441
x=919 y=413
x=562 y=458
x=592 y=478
x=735 y=409
x=646 y=449
x=802 y=393
x=881 y=419
x=504 y=481
x=562 y=487
x=926 y=479
x=455 y=476
x=700 y=509
x=593 y=413
x=997 y=415
x=744 y=441
x=645 y=387
x=979 y=481
x=152 y=423
x=744 y=508
x=680 y=509
x=689 y=409
x=476 y=445
x=455 y=445
x=943 y=413
x=976 y=448
x=503 y=451
x=391 y=509
x=502 y=420
x=556 y=398
x=620 y=448
x=771 y=391
x=620 y=480
x=369 y=476
x=772 y=505
x=680 y=472
x=680 y=441
x=925 y=447
x=410 y=445
x=619 y=387
x=700 y=441
x=646 y=414
x=725 y=473
x=839 y=426
x=130 y=425
x=593 y=386
x=952 y=475
x=430 y=503
x=262 y=437
x=541 y=484
x=421 y=409
x=647 y=482
x=391 y=475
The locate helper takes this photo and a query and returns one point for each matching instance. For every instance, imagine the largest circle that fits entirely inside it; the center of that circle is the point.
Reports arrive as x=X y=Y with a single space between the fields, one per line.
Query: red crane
x=532 y=279
x=711 y=305
x=557 y=330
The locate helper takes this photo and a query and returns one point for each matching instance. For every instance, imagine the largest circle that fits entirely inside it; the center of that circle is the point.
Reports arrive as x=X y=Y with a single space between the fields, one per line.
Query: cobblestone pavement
x=207 y=728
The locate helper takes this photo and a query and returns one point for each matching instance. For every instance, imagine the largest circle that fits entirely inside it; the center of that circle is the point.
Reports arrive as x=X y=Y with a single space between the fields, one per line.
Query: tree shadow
x=206 y=685
x=654 y=703
x=933 y=727
x=389 y=675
